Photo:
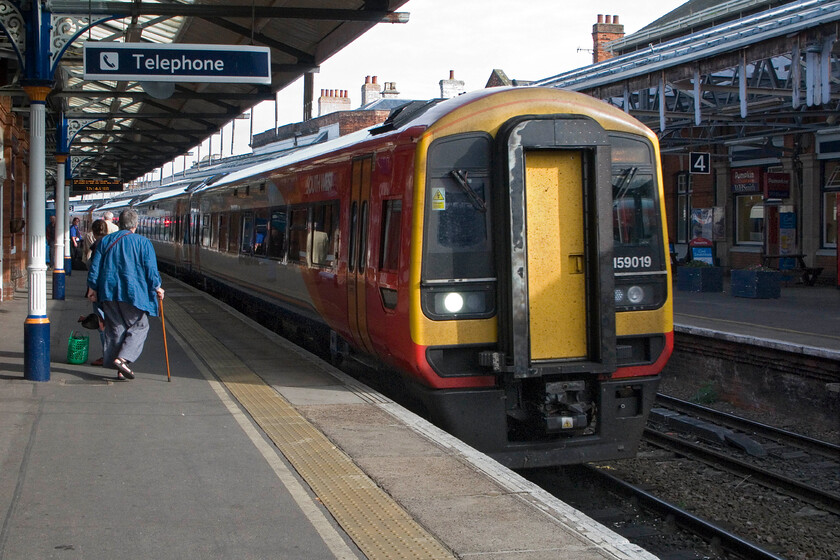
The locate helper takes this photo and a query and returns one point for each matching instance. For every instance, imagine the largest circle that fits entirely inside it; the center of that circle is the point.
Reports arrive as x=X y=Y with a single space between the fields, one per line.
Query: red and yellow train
x=503 y=251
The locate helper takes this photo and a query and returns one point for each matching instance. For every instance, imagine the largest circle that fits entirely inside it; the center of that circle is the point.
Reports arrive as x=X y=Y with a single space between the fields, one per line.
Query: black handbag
x=90 y=322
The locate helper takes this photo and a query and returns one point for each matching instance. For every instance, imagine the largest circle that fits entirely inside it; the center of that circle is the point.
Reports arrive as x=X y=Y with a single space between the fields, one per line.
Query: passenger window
x=261 y=232
x=247 y=234
x=277 y=234
x=321 y=244
x=297 y=235
x=390 y=251
x=223 y=232
x=233 y=228
x=205 y=230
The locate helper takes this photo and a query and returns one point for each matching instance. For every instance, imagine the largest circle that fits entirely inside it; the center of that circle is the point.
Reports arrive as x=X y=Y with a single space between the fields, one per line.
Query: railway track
x=718 y=537
x=827 y=449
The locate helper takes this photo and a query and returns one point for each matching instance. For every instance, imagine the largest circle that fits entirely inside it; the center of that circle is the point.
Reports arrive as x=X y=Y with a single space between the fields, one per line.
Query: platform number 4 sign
x=700 y=162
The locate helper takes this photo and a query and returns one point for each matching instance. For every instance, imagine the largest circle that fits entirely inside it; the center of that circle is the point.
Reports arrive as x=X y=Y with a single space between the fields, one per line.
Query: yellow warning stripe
x=375 y=522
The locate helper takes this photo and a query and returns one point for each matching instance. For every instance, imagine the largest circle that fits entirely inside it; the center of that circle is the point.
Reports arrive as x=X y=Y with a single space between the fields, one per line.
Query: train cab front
x=560 y=241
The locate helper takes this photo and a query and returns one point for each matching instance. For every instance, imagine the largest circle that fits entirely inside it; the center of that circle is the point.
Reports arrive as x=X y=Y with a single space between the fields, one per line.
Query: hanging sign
x=746 y=180
x=776 y=185
x=86 y=186
x=176 y=62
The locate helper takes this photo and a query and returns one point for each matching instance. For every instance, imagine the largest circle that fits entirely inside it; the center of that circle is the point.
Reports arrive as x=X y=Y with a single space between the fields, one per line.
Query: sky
x=528 y=39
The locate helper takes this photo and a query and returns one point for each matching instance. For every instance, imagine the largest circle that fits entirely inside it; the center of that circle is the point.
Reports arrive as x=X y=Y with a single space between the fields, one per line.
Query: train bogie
x=503 y=251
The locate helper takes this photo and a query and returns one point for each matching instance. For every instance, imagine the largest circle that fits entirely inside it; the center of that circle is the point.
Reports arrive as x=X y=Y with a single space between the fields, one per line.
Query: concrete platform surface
x=209 y=466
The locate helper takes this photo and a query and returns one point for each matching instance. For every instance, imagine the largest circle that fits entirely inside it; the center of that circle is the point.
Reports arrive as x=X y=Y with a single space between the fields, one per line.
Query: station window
x=831 y=201
x=749 y=219
x=684 y=190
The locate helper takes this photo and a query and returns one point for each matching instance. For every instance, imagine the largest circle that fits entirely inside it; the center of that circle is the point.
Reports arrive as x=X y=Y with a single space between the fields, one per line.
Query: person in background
x=75 y=241
x=124 y=279
x=50 y=238
x=98 y=230
x=108 y=216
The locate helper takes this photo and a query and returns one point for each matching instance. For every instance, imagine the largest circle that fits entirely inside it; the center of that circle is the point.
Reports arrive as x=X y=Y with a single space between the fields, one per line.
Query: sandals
x=123 y=369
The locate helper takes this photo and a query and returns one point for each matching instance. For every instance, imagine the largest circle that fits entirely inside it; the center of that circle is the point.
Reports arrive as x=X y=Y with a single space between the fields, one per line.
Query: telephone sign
x=699 y=162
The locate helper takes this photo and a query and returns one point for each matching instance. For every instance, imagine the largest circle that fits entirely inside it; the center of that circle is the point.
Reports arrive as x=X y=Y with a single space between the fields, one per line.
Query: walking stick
x=165 y=348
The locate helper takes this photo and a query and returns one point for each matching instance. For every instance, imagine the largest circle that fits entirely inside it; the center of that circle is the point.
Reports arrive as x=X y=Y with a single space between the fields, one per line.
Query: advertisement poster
x=702 y=223
x=787 y=239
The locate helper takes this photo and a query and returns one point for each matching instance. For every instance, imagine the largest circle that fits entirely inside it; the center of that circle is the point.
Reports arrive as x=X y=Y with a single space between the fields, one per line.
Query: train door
x=357 y=260
x=556 y=311
x=555 y=263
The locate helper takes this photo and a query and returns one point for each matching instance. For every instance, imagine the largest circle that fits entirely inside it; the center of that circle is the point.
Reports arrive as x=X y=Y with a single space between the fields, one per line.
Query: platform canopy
x=124 y=129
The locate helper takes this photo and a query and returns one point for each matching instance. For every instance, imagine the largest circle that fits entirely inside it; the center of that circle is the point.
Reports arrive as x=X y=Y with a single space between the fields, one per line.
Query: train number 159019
x=632 y=262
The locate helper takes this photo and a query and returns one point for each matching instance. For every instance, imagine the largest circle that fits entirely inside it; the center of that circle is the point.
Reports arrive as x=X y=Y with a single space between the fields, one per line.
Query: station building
x=756 y=86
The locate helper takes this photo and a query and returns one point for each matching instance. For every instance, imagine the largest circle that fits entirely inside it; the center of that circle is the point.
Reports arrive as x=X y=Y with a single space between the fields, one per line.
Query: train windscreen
x=636 y=226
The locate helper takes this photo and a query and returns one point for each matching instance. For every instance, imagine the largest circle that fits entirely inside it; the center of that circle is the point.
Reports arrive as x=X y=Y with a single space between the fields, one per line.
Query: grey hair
x=128 y=219
x=108 y=215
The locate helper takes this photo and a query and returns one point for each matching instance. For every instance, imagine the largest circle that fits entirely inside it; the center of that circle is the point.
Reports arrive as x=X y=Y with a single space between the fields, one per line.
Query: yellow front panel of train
x=556 y=272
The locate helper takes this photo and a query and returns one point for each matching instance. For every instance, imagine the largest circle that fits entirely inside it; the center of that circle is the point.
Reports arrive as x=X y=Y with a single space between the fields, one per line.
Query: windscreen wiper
x=460 y=177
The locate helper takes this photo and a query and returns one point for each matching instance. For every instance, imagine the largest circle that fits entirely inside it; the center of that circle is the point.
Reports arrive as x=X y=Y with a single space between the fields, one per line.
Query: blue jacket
x=124 y=268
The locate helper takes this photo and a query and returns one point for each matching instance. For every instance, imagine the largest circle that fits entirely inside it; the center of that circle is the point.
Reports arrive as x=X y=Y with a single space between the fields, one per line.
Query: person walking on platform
x=124 y=278
x=98 y=230
x=108 y=216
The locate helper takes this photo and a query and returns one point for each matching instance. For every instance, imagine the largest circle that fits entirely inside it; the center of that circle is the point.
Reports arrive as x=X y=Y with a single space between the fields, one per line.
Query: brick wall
x=14 y=174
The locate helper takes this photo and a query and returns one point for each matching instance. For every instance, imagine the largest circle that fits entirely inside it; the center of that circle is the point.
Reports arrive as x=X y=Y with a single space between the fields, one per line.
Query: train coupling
x=567 y=406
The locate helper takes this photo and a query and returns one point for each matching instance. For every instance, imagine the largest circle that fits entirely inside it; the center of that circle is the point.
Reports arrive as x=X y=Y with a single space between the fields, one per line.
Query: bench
x=809 y=274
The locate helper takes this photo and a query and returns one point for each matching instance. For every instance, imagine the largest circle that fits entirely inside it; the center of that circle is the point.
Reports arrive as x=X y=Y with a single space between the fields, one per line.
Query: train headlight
x=453 y=302
x=635 y=294
x=464 y=302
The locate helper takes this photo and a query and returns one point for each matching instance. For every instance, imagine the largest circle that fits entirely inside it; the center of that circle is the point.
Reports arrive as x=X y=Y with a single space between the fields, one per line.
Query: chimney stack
x=333 y=100
x=606 y=30
x=370 y=91
x=451 y=87
x=390 y=91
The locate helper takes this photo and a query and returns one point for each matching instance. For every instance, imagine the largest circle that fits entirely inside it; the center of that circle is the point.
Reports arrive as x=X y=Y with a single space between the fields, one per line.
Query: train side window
x=247 y=234
x=363 y=233
x=354 y=219
x=389 y=257
x=205 y=230
x=277 y=234
x=223 y=232
x=320 y=244
x=167 y=226
x=260 y=232
x=214 y=231
x=297 y=235
x=234 y=229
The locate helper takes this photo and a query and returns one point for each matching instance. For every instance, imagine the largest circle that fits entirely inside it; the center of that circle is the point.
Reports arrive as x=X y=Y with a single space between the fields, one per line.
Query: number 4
x=699 y=162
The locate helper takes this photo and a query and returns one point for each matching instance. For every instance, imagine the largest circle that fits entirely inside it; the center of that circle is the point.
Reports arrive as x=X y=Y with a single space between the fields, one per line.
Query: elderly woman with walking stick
x=124 y=278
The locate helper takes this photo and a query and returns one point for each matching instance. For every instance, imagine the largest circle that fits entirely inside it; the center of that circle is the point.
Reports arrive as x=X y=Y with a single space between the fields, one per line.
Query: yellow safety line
x=375 y=522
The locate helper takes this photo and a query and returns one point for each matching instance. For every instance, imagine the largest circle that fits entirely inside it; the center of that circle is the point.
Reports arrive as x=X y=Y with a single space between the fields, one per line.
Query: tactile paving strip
x=375 y=522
